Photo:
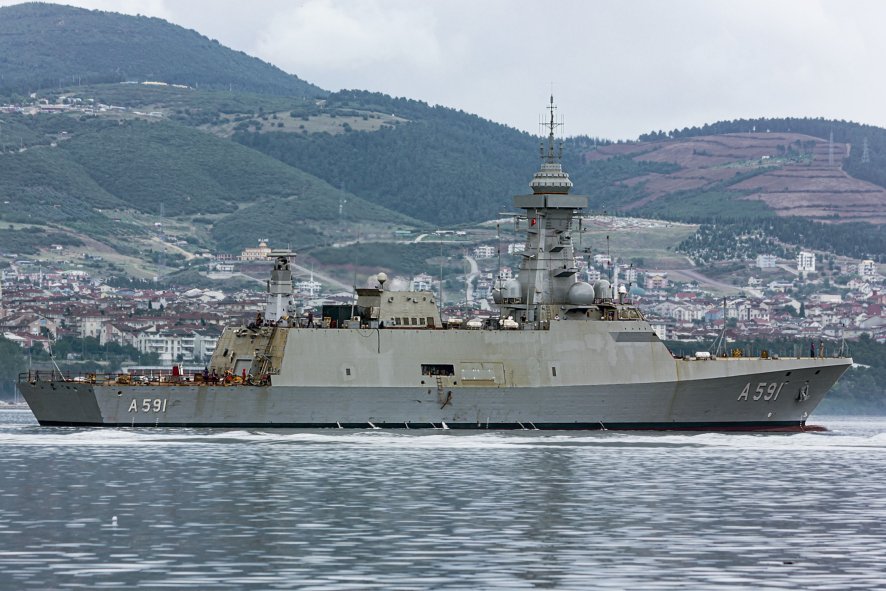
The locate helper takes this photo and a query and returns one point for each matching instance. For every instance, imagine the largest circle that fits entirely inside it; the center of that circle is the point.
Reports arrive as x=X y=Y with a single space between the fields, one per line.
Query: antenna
x=441 y=272
x=162 y=260
x=498 y=239
x=551 y=125
x=630 y=277
x=719 y=345
x=356 y=259
x=580 y=231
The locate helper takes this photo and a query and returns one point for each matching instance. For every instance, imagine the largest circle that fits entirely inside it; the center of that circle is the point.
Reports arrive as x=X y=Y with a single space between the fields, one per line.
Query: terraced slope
x=789 y=174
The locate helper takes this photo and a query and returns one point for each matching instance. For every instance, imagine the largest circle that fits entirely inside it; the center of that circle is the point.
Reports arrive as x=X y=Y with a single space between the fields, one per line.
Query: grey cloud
x=618 y=68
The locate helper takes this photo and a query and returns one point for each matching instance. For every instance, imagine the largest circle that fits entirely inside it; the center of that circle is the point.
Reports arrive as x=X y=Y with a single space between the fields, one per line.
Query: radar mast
x=547 y=273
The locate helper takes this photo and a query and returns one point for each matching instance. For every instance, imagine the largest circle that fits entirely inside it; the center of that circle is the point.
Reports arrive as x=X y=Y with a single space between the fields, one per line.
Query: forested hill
x=435 y=164
x=45 y=45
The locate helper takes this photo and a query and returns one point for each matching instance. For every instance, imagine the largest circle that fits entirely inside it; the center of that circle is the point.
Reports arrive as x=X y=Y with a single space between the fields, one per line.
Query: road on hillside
x=188 y=255
x=788 y=268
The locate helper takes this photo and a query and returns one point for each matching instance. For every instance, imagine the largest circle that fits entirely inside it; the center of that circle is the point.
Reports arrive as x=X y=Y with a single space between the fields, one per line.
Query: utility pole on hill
x=162 y=261
x=831 y=149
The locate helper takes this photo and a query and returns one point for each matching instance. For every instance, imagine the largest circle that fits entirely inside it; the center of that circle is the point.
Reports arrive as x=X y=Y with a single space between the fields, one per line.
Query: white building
x=516 y=248
x=422 y=282
x=177 y=346
x=91 y=326
x=663 y=329
x=867 y=268
x=627 y=273
x=806 y=262
x=485 y=251
x=749 y=310
x=766 y=261
x=592 y=275
x=308 y=287
x=687 y=313
x=256 y=254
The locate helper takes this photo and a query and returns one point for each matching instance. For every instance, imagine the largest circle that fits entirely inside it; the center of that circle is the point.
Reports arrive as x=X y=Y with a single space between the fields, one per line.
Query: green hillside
x=111 y=179
x=443 y=166
x=45 y=45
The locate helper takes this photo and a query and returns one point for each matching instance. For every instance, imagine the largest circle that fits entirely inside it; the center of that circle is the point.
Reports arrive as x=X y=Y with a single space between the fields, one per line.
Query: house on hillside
x=805 y=263
x=655 y=280
x=867 y=269
x=766 y=261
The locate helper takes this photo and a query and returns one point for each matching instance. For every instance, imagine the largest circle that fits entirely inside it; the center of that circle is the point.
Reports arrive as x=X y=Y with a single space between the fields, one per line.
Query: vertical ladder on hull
x=439 y=384
x=265 y=357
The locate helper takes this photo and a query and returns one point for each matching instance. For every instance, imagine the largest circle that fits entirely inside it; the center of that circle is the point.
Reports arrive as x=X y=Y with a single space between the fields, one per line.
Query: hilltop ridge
x=47 y=45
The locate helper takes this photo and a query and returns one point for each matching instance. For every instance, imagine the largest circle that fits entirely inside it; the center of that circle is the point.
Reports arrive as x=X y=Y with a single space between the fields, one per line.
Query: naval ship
x=561 y=354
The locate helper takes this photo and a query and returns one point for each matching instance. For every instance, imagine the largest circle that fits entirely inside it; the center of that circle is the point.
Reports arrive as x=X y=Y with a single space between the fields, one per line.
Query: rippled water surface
x=213 y=509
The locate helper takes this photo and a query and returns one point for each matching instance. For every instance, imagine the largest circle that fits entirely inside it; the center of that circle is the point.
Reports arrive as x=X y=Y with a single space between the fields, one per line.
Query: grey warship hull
x=562 y=378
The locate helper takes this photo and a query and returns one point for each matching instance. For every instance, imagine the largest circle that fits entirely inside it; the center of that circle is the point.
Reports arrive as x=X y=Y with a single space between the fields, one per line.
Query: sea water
x=266 y=509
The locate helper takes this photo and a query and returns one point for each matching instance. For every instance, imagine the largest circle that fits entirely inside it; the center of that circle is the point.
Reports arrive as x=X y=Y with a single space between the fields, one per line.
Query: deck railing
x=153 y=378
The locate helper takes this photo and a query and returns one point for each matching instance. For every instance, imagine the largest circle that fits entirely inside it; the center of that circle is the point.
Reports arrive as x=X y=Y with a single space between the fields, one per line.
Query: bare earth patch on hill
x=793 y=174
x=325 y=123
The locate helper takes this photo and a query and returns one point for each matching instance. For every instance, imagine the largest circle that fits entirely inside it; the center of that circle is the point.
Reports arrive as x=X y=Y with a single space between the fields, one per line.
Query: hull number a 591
x=148 y=405
x=764 y=390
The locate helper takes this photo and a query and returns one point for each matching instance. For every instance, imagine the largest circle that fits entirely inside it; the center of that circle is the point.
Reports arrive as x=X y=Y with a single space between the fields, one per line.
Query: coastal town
x=43 y=301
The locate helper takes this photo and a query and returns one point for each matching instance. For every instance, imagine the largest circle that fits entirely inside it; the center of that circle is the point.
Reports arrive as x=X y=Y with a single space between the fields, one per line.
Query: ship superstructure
x=562 y=354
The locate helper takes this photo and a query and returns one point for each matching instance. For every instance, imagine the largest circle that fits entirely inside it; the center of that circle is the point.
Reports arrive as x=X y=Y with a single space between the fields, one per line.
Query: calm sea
x=212 y=509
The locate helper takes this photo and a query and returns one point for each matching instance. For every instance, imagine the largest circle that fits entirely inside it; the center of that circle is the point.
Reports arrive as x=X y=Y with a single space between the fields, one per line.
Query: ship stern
x=61 y=403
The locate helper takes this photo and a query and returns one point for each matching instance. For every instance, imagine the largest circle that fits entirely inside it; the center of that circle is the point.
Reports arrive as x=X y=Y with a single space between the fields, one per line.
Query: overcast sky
x=618 y=68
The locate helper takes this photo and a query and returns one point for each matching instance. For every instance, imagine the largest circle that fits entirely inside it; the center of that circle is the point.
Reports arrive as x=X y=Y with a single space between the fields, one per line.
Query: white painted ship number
x=765 y=390
x=148 y=405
